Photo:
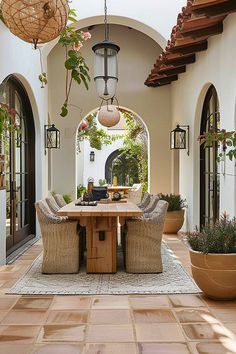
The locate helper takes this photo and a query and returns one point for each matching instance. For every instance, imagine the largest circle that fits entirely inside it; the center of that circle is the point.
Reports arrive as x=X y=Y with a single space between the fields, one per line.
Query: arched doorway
x=123 y=166
x=209 y=174
x=19 y=151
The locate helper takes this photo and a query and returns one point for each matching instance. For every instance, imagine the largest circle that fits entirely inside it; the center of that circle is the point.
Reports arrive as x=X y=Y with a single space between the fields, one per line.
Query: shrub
x=217 y=238
x=175 y=201
x=67 y=198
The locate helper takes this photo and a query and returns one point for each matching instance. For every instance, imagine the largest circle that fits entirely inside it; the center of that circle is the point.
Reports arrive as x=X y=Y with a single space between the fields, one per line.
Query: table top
x=114 y=209
x=118 y=188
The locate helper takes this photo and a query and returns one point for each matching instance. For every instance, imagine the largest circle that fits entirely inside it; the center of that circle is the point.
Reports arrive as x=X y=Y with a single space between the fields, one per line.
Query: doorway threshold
x=19 y=251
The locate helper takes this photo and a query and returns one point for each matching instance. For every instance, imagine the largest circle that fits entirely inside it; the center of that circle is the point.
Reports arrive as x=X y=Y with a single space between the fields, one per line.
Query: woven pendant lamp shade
x=35 y=21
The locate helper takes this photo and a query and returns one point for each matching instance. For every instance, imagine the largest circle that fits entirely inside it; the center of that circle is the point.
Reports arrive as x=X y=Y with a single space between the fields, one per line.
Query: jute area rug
x=173 y=280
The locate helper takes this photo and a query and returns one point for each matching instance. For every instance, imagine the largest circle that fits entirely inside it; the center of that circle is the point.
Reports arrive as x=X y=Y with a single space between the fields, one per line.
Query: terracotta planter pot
x=215 y=274
x=174 y=221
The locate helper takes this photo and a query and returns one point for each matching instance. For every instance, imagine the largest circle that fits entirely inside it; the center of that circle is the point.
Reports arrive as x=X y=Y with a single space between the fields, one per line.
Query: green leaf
x=72 y=54
x=64 y=110
x=84 y=81
x=71 y=64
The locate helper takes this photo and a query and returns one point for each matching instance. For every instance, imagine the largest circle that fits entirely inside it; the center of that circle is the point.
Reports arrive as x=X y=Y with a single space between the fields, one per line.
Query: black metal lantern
x=92 y=156
x=52 y=137
x=179 y=138
x=105 y=65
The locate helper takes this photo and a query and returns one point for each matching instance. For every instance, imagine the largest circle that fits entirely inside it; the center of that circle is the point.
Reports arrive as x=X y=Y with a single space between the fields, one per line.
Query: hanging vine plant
x=76 y=68
x=227 y=139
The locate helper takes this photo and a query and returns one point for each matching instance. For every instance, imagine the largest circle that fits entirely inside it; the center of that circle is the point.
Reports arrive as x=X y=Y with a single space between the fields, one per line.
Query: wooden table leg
x=101 y=239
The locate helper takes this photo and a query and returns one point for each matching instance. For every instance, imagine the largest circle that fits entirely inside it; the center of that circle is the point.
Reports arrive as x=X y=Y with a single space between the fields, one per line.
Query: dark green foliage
x=81 y=190
x=217 y=238
x=175 y=201
x=67 y=198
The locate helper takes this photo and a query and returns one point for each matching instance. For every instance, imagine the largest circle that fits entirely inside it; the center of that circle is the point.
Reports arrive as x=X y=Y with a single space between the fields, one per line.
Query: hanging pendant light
x=35 y=21
x=105 y=64
x=108 y=116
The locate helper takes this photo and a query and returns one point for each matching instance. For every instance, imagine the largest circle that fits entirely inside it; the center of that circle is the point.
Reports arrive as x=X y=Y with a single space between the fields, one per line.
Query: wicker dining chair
x=60 y=241
x=52 y=204
x=135 y=194
x=60 y=200
x=143 y=242
x=151 y=206
x=145 y=201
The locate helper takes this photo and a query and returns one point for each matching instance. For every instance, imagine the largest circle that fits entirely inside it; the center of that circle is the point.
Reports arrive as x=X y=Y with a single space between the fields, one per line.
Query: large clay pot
x=215 y=274
x=174 y=221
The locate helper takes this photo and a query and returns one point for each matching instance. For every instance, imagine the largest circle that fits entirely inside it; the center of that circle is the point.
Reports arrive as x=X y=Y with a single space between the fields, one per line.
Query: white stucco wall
x=215 y=66
x=136 y=58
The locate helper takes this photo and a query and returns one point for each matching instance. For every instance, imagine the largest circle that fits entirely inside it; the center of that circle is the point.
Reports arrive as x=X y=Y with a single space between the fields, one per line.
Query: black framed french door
x=20 y=169
x=209 y=169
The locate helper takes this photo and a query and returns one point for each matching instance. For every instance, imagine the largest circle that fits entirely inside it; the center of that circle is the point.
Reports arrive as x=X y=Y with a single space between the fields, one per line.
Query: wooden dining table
x=101 y=222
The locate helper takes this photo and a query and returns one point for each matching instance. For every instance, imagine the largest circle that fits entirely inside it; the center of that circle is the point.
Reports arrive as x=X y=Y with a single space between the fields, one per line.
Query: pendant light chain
x=105 y=21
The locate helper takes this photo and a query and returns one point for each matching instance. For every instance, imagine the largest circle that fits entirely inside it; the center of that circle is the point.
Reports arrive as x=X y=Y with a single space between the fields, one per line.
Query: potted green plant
x=175 y=213
x=213 y=258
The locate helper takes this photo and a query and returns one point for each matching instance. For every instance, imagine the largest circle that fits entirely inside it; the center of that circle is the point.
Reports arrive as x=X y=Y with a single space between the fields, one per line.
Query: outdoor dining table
x=101 y=222
x=124 y=189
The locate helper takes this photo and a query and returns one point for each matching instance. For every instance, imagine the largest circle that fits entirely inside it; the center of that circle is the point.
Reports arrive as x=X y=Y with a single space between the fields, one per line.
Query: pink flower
x=77 y=47
x=86 y=35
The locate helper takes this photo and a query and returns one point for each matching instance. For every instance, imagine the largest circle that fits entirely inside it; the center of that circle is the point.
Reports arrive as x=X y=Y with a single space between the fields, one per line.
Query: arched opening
x=122 y=165
x=209 y=174
x=126 y=156
x=19 y=151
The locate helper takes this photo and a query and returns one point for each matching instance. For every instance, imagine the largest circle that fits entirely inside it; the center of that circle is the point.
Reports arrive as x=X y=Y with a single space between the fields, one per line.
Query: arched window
x=20 y=168
x=209 y=175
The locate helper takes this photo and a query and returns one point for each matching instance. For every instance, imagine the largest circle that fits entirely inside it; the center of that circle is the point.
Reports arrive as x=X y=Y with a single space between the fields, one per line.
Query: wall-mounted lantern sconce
x=92 y=156
x=179 y=138
x=51 y=137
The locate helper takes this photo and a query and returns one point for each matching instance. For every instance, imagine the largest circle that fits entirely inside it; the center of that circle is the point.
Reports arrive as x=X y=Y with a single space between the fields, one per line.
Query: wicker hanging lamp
x=35 y=21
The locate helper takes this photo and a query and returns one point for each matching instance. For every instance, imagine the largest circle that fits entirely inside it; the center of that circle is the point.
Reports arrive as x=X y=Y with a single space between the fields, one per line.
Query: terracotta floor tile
x=71 y=303
x=57 y=349
x=33 y=303
x=217 y=303
x=163 y=348
x=24 y=317
x=214 y=331
x=110 y=317
x=231 y=326
x=16 y=348
x=191 y=315
x=110 y=302
x=7 y=302
x=153 y=316
x=67 y=317
x=62 y=333
x=18 y=334
x=226 y=347
x=109 y=333
x=186 y=300
x=224 y=314
x=162 y=332
x=118 y=348
x=149 y=302
x=2 y=315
